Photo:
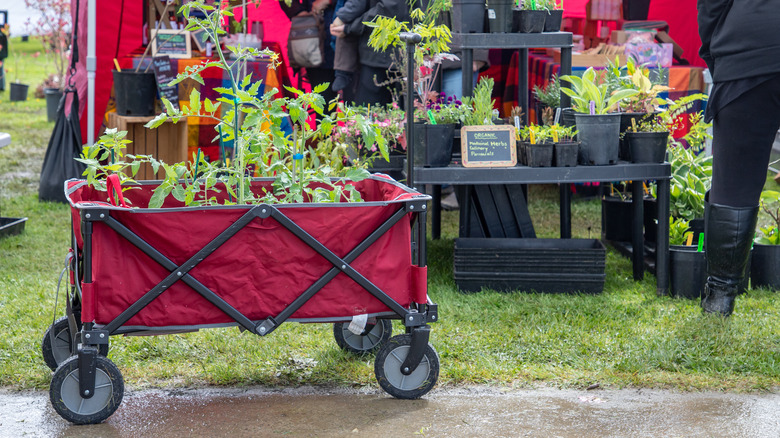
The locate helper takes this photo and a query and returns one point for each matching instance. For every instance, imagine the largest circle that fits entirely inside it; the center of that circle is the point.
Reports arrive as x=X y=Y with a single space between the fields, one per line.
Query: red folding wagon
x=137 y=270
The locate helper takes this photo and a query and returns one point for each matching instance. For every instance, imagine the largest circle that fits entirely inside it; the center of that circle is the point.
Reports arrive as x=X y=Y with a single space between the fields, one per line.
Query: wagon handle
x=114 y=187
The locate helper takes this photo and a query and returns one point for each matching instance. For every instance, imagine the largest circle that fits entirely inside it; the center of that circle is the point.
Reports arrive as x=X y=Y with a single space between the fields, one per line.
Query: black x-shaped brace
x=181 y=272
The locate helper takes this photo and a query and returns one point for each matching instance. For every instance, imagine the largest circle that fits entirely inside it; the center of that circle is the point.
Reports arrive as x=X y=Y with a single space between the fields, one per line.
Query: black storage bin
x=541 y=265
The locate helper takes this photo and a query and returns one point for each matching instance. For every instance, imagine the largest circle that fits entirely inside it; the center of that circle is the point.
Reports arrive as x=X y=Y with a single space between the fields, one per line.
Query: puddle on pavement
x=443 y=413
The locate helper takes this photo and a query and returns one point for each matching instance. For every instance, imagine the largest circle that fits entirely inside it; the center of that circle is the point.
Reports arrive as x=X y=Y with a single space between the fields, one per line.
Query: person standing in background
x=744 y=106
x=3 y=55
x=373 y=64
x=325 y=9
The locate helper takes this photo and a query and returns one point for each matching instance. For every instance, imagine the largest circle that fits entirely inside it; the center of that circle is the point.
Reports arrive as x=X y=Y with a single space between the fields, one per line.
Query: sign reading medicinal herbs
x=488 y=146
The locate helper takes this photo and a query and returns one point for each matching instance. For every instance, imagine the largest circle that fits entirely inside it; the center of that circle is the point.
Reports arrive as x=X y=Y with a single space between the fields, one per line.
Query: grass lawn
x=625 y=337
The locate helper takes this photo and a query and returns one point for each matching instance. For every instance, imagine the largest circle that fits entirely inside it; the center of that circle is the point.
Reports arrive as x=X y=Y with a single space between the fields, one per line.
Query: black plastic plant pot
x=635 y=9
x=553 y=20
x=500 y=15
x=567 y=117
x=565 y=154
x=687 y=272
x=765 y=266
x=539 y=154
x=468 y=16
x=647 y=147
x=135 y=93
x=625 y=123
x=18 y=92
x=433 y=144
x=53 y=96
x=531 y=21
x=616 y=219
x=599 y=135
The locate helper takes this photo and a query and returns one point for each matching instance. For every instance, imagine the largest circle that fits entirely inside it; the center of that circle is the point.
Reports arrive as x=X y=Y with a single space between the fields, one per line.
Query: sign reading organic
x=164 y=73
x=488 y=146
x=174 y=43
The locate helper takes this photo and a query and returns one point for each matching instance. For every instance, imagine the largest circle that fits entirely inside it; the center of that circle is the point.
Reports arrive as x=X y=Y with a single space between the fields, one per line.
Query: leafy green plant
x=253 y=123
x=691 y=178
x=634 y=77
x=481 y=102
x=678 y=231
x=550 y=94
x=648 y=123
x=564 y=133
x=770 y=205
x=540 y=134
x=588 y=88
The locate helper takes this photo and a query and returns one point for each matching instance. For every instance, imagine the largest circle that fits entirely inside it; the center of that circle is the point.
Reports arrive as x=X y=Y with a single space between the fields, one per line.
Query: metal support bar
x=420 y=336
x=662 y=239
x=87 y=367
x=637 y=235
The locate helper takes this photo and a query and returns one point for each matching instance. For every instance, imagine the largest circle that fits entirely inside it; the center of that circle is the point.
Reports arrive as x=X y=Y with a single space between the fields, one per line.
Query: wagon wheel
x=388 y=369
x=56 y=344
x=66 y=398
x=372 y=337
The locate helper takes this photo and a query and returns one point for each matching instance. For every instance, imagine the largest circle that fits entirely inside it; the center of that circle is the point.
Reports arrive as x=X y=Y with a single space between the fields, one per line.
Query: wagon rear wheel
x=372 y=337
x=66 y=398
x=56 y=345
x=388 y=369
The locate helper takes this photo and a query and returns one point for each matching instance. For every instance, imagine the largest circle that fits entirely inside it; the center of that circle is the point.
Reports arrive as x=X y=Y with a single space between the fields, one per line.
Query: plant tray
x=11 y=225
x=541 y=265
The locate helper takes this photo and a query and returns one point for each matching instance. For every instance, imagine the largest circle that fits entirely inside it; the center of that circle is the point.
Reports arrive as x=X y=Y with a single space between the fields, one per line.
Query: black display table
x=519 y=175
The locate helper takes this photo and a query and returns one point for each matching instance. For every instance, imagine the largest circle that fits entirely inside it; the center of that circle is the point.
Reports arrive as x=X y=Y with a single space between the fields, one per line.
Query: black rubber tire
x=67 y=401
x=388 y=369
x=55 y=354
x=373 y=337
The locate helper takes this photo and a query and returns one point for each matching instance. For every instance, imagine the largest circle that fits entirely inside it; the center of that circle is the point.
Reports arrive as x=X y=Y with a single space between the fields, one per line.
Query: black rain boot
x=728 y=237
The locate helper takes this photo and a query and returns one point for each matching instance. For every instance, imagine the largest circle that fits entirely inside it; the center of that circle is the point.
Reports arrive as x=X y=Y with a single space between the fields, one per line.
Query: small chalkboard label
x=199 y=37
x=164 y=73
x=174 y=43
x=488 y=146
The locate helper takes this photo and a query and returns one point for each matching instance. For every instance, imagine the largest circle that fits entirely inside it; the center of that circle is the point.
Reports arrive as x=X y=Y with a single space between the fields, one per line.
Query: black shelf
x=511 y=40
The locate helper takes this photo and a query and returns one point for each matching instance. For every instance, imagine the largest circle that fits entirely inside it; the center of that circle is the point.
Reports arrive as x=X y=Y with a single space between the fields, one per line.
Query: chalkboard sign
x=488 y=146
x=199 y=37
x=174 y=43
x=164 y=73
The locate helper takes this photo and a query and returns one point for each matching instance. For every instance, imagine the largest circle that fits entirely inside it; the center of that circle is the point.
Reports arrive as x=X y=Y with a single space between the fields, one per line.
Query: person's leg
x=743 y=133
x=368 y=91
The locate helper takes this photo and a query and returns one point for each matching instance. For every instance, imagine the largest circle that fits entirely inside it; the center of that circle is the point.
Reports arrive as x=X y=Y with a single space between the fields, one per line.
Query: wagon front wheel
x=56 y=345
x=388 y=369
x=66 y=397
x=372 y=337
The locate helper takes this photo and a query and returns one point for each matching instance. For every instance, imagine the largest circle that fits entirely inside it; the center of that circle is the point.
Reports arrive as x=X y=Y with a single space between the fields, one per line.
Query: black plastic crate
x=11 y=225
x=541 y=265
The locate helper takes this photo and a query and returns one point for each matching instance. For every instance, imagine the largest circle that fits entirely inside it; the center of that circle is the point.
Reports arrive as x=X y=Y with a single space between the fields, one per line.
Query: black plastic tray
x=11 y=225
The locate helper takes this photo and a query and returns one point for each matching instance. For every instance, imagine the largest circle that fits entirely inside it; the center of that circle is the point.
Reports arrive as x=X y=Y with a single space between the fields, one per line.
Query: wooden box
x=167 y=143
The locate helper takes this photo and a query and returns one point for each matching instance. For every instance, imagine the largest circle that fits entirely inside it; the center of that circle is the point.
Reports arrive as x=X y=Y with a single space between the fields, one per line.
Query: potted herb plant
x=566 y=147
x=647 y=140
x=687 y=266
x=531 y=16
x=18 y=90
x=52 y=26
x=765 y=261
x=554 y=18
x=537 y=146
x=597 y=126
x=548 y=100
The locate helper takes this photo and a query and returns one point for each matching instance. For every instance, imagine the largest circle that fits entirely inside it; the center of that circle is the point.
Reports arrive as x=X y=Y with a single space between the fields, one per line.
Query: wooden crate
x=167 y=143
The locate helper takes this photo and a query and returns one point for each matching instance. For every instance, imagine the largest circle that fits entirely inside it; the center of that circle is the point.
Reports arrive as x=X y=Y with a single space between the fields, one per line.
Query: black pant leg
x=743 y=134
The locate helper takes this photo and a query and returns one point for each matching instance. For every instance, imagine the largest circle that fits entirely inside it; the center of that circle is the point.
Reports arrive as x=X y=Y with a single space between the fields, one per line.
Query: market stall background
x=120 y=30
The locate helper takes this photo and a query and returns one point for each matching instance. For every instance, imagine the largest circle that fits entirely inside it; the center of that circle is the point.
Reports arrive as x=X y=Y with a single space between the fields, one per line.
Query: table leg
x=467 y=67
x=637 y=234
x=436 y=212
x=565 y=207
x=522 y=82
x=662 y=239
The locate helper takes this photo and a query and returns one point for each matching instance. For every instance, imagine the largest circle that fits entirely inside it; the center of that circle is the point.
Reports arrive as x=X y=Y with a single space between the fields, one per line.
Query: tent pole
x=91 y=69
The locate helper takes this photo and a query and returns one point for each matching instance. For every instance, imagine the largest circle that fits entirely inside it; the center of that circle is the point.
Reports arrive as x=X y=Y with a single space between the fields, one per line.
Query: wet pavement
x=470 y=412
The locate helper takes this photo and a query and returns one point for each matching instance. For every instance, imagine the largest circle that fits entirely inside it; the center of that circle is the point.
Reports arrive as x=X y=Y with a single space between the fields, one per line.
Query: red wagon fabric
x=260 y=270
